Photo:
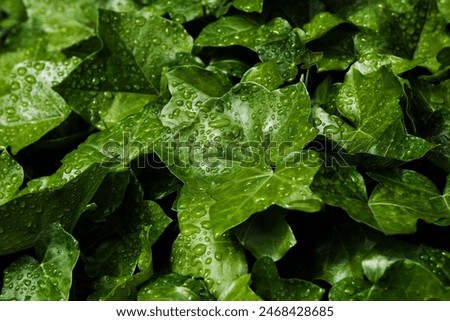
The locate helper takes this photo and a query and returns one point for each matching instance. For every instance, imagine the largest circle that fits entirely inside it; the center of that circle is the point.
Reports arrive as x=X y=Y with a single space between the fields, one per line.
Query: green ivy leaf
x=404 y=196
x=286 y=52
x=63 y=196
x=269 y=286
x=361 y=264
x=11 y=177
x=433 y=39
x=319 y=26
x=50 y=279
x=238 y=30
x=249 y=5
x=67 y=23
x=266 y=74
x=383 y=255
x=123 y=263
x=435 y=98
x=343 y=186
x=182 y=11
x=190 y=87
x=340 y=253
x=197 y=252
x=229 y=67
x=266 y=234
x=241 y=129
x=239 y=290
x=249 y=190
x=327 y=34
x=174 y=287
x=444 y=8
x=383 y=132
x=45 y=201
x=404 y=280
x=109 y=195
x=239 y=121
x=120 y=78
x=32 y=108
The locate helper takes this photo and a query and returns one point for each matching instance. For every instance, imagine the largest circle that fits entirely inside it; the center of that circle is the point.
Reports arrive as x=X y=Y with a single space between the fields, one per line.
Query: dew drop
x=39 y=66
x=176 y=112
x=156 y=41
x=22 y=71
x=140 y=21
x=199 y=249
x=219 y=123
x=30 y=79
x=15 y=85
x=189 y=229
x=317 y=122
x=206 y=224
x=350 y=290
x=179 y=18
x=424 y=257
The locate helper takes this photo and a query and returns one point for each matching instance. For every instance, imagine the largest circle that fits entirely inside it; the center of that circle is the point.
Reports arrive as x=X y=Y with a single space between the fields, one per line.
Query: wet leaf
x=266 y=234
x=124 y=263
x=237 y=30
x=50 y=277
x=32 y=108
x=190 y=87
x=249 y=5
x=197 y=252
x=404 y=196
x=285 y=52
x=343 y=186
x=11 y=177
x=383 y=132
x=63 y=196
x=266 y=74
x=269 y=286
x=319 y=26
x=174 y=287
x=253 y=189
x=363 y=265
x=182 y=11
x=122 y=77
x=404 y=280
x=434 y=37
x=239 y=290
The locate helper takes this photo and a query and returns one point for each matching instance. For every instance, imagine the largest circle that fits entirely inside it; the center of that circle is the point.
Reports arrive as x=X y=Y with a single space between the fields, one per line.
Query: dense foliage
x=229 y=150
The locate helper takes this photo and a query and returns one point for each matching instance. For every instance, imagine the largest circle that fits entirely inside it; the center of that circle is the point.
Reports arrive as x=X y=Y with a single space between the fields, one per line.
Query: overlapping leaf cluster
x=225 y=150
